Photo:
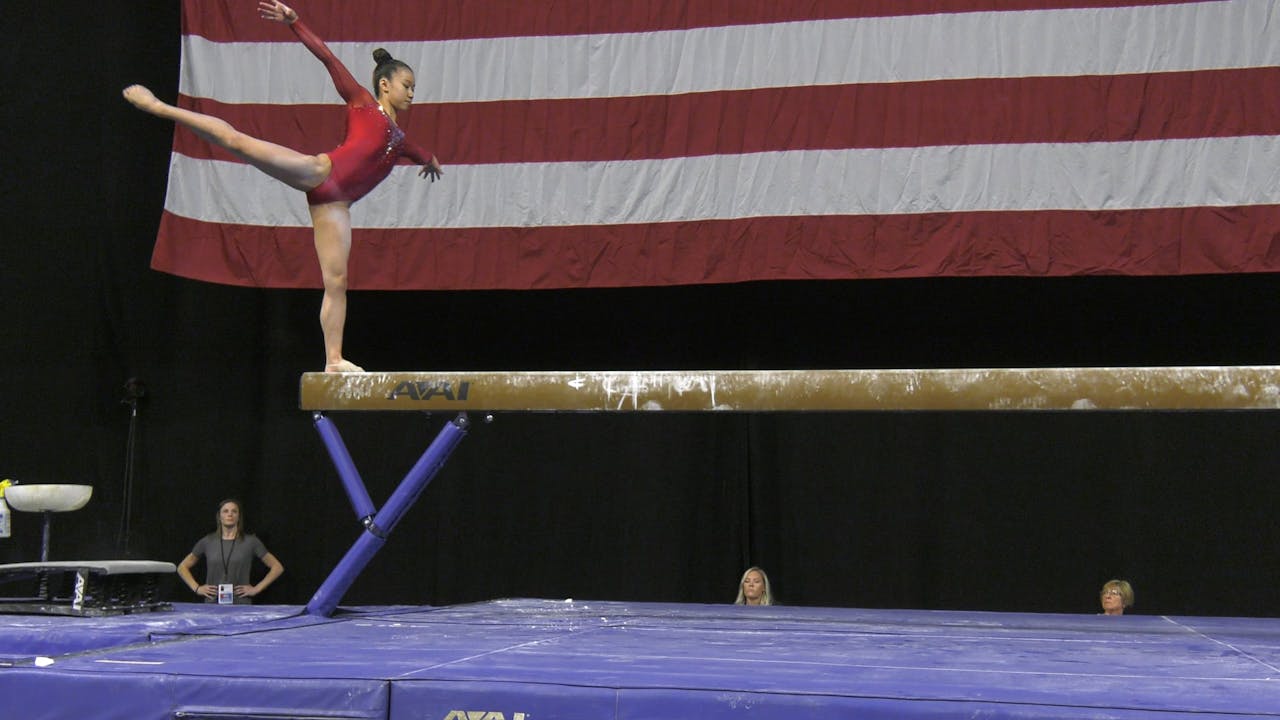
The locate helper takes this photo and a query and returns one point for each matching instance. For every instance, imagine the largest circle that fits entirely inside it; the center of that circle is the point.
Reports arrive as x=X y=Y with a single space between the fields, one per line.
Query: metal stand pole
x=44 y=541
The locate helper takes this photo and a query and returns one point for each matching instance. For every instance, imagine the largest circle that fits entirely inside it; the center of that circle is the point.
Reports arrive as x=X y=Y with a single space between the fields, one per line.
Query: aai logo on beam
x=425 y=390
x=481 y=715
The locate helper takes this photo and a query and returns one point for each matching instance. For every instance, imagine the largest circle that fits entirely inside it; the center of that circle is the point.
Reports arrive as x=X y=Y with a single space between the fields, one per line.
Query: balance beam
x=1086 y=388
x=1114 y=388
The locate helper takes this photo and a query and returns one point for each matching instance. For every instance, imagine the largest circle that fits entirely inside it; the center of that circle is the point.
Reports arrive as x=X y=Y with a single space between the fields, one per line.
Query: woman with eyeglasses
x=1116 y=595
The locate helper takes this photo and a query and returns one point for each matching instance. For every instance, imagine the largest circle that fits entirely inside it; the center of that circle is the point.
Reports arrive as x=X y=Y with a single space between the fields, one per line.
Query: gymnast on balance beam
x=332 y=180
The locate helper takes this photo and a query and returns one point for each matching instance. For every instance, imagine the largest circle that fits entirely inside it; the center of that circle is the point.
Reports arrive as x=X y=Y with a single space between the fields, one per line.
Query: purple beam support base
x=375 y=532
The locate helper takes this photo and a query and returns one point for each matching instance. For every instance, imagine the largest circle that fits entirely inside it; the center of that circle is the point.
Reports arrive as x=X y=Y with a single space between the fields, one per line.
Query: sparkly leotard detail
x=364 y=158
x=373 y=143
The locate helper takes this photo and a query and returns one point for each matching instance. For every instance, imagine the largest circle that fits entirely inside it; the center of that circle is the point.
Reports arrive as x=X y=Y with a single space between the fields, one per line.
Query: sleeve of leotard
x=414 y=153
x=351 y=91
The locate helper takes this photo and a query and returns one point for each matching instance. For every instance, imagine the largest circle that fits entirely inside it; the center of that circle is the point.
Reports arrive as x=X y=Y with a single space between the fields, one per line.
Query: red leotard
x=373 y=142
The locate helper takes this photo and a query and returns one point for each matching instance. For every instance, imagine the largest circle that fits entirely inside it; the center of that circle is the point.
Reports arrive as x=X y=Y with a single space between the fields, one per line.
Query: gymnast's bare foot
x=343 y=366
x=142 y=98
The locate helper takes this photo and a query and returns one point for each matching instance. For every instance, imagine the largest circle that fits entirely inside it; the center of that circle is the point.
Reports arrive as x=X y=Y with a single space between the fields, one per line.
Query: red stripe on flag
x=1218 y=103
x=400 y=21
x=1040 y=243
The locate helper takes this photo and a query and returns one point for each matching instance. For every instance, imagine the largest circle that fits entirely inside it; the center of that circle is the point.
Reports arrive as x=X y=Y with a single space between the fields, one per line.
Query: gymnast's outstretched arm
x=352 y=92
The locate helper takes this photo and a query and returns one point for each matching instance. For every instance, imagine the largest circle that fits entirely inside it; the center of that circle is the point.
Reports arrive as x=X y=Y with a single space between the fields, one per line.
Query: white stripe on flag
x=1077 y=176
x=1093 y=41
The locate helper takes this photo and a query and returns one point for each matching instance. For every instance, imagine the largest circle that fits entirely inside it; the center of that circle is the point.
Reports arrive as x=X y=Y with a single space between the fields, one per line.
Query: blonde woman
x=753 y=588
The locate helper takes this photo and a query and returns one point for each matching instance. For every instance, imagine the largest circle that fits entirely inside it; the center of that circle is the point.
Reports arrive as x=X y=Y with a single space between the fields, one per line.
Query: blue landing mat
x=26 y=637
x=549 y=660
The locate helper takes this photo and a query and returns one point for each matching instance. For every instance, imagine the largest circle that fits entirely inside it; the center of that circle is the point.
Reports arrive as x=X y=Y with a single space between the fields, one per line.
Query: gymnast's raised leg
x=297 y=170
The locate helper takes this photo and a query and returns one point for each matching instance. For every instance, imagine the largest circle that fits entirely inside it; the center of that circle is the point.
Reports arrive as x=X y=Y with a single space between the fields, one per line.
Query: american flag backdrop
x=594 y=143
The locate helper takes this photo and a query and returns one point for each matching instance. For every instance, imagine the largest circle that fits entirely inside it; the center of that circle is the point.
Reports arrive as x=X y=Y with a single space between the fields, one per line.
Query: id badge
x=226 y=594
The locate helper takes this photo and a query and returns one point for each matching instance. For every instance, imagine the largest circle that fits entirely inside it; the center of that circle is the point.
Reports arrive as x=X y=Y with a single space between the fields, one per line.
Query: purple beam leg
x=347 y=472
x=375 y=533
x=407 y=492
x=344 y=574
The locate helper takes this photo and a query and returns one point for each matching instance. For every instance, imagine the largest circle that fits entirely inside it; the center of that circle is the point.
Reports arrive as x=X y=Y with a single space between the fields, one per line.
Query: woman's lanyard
x=226 y=565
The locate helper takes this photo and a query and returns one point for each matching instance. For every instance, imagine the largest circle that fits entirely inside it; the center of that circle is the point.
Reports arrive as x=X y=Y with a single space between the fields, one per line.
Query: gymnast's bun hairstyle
x=385 y=66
